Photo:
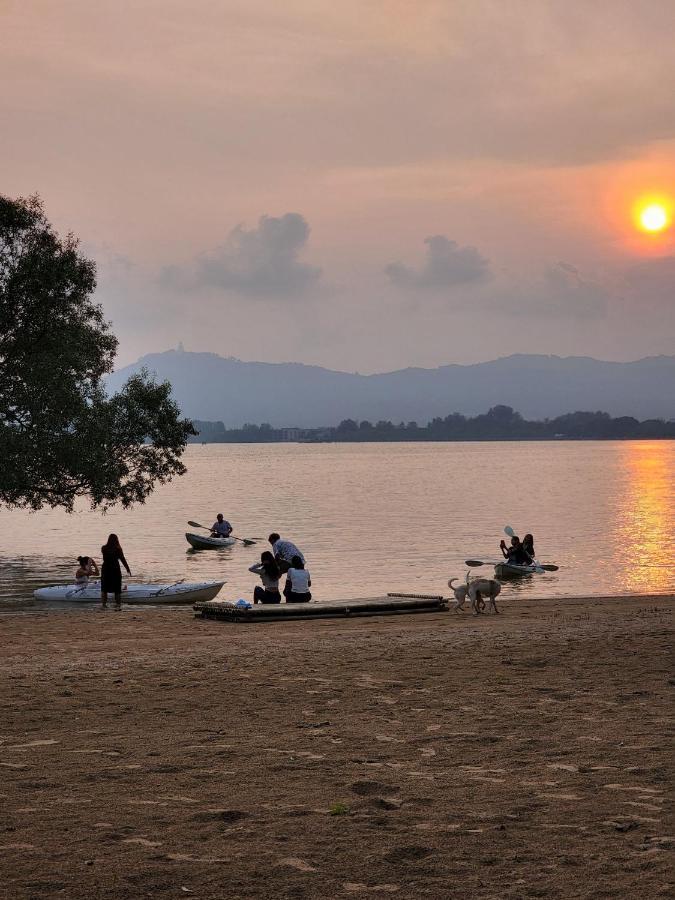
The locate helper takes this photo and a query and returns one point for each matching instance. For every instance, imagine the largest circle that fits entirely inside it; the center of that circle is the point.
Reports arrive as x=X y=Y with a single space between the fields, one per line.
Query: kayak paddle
x=246 y=541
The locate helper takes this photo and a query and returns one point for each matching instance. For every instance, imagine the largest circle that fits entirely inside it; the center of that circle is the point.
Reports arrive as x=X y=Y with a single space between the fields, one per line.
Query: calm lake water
x=373 y=518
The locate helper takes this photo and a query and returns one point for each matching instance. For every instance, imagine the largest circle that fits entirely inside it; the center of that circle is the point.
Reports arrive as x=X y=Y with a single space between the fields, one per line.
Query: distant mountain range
x=210 y=387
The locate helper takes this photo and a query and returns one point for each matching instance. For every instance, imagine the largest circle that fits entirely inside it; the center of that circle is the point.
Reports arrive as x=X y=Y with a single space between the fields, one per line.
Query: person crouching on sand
x=298 y=583
x=284 y=551
x=270 y=574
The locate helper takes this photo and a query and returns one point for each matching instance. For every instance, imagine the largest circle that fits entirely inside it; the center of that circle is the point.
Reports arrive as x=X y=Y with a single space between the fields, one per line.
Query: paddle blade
x=548 y=567
x=248 y=542
x=197 y=525
x=474 y=562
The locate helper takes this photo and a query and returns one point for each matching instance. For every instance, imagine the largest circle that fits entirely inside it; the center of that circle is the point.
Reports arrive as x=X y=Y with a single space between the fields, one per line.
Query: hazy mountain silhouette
x=210 y=387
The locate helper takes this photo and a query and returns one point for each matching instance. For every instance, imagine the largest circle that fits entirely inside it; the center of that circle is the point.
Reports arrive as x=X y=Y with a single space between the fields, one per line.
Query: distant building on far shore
x=291 y=435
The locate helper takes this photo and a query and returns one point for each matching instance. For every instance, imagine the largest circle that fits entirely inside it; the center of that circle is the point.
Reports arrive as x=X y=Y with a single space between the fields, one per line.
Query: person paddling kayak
x=516 y=553
x=221 y=527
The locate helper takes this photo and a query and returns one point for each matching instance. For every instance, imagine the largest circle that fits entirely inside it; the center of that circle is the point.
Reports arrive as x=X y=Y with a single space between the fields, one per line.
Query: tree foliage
x=61 y=435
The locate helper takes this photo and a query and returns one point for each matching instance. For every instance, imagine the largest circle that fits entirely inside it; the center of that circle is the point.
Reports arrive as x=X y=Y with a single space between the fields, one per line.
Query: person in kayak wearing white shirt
x=284 y=551
x=221 y=527
x=298 y=583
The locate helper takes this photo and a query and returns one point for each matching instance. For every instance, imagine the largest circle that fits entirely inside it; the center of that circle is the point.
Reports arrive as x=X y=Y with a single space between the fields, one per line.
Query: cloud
x=262 y=261
x=653 y=279
x=566 y=291
x=447 y=265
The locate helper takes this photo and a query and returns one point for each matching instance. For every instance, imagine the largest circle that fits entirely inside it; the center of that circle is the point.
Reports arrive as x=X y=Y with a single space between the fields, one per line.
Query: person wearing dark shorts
x=298 y=583
x=111 y=574
x=269 y=573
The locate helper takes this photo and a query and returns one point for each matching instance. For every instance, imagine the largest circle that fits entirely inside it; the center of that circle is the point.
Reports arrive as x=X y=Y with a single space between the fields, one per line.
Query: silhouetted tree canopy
x=61 y=435
x=501 y=423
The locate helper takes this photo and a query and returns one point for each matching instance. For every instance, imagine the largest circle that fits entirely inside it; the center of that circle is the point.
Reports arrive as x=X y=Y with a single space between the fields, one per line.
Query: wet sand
x=149 y=754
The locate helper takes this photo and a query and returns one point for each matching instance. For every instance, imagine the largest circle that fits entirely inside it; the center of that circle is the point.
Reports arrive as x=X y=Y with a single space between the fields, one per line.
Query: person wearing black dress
x=111 y=574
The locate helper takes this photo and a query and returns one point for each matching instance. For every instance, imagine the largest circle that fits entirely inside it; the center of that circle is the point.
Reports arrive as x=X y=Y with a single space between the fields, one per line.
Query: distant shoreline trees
x=501 y=423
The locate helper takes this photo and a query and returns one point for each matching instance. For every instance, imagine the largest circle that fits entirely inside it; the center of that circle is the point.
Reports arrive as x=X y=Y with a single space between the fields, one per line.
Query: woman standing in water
x=111 y=574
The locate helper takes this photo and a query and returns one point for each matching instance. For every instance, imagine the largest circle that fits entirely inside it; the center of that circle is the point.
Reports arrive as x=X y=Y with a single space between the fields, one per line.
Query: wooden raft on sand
x=392 y=604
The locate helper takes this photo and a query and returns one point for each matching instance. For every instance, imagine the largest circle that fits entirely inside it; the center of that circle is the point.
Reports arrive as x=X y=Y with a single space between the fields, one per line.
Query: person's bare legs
x=104 y=600
x=118 y=601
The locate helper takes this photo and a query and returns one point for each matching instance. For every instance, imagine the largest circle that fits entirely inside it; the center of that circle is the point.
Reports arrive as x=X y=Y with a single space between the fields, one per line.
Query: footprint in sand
x=357 y=887
x=30 y=744
x=142 y=841
x=294 y=863
x=371 y=788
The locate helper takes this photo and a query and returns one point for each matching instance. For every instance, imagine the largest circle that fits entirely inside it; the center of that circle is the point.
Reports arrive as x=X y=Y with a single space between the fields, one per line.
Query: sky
x=366 y=185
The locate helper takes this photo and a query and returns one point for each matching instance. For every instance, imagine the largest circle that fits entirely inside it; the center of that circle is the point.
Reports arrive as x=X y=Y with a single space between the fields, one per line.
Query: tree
x=61 y=435
x=347 y=425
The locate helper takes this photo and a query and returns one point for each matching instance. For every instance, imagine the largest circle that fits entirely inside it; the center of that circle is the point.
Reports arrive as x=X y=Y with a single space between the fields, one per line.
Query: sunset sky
x=363 y=184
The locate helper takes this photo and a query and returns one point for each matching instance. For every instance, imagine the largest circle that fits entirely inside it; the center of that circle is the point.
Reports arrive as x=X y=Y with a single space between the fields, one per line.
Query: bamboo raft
x=392 y=604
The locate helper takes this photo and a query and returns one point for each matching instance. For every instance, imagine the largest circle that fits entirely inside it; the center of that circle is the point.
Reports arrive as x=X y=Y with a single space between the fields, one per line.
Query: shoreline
x=15 y=607
x=433 y=755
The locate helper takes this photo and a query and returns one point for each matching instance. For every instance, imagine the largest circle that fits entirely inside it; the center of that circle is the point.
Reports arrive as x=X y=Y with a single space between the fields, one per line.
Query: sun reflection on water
x=645 y=517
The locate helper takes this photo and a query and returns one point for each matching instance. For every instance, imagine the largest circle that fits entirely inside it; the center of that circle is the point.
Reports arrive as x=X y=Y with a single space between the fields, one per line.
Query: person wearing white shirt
x=298 y=583
x=221 y=527
x=284 y=551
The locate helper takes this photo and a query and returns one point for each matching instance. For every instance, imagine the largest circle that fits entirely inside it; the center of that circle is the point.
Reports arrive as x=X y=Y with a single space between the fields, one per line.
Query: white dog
x=478 y=590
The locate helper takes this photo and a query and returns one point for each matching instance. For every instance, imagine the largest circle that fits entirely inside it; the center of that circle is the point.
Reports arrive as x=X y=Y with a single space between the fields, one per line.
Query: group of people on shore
x=283 y=559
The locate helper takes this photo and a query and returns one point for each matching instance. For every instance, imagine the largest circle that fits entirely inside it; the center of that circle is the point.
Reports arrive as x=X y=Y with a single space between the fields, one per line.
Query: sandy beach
x=149 y=754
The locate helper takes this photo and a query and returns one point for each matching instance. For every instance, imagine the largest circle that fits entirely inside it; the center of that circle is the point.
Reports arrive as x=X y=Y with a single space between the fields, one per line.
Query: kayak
x=206 y=542
x=510 y=570
x=178 y=592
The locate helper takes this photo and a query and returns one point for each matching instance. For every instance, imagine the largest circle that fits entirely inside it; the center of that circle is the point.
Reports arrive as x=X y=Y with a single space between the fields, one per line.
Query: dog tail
x=450 y=583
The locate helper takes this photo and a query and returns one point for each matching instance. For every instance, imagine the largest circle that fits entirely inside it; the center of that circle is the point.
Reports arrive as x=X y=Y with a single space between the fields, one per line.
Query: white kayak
x=206 y=542
x=178 y=592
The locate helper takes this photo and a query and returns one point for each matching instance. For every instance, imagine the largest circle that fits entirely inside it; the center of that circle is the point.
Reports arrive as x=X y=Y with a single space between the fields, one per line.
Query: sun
x=653 y=215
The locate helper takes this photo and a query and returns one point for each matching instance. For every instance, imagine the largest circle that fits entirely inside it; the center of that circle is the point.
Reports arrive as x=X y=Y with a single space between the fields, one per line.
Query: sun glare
x=653 y=216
